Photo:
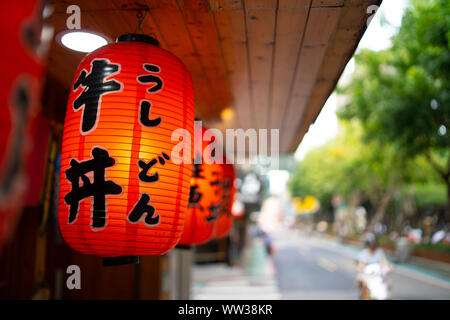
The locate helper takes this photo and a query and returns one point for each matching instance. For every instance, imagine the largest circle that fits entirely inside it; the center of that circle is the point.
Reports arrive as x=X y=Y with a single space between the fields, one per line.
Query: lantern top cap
x=138 y=37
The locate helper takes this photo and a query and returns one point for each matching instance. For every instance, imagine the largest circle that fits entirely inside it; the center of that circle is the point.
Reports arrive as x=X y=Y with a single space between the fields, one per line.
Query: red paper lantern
x=205 y=201
x=20 y=27
x=225 y=219
x=122 y=191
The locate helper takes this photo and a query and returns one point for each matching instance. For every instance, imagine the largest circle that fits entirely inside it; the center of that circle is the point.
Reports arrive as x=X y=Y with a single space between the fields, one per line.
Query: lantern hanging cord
x=141 y=17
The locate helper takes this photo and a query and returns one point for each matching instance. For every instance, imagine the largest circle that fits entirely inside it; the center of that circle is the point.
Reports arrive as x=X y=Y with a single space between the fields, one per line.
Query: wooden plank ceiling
x=273 y=62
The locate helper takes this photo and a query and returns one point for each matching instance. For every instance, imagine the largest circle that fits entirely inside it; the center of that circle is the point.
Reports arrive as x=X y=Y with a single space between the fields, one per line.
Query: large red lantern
x=225 y=219
x=123 y=192
x=205 y=201
x=20 y=27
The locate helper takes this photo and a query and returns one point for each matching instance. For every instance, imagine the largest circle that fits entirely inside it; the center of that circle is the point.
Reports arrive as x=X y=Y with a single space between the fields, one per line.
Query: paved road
x=314 y=268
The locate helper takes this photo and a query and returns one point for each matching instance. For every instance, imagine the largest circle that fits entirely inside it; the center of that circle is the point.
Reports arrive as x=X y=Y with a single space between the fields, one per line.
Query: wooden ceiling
x=273 y=62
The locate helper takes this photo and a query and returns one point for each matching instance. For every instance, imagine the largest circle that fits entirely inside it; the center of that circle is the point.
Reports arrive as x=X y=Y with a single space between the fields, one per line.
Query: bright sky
x=377 y=37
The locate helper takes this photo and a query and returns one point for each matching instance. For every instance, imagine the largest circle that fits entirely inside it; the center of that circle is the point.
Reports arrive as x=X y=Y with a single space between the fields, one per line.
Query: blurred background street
x=310 y=267
x=317 y=268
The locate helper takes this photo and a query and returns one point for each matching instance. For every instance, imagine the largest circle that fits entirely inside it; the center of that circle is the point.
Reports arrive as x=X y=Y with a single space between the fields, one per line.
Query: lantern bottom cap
x=118 y=261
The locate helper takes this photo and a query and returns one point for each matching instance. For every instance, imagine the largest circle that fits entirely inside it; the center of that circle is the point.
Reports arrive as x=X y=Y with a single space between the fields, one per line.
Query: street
x=315 y=268
x=305 y=267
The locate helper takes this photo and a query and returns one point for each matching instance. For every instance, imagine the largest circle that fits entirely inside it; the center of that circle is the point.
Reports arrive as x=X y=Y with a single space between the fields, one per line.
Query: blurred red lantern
x=205 y=201
x=123 y=193
x=225 y=219
x=20 y=27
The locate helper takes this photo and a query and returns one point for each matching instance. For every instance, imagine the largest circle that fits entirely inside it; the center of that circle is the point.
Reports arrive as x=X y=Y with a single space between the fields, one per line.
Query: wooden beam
x=327 y=3
x=200 y=24
x=260 y=18
x=351 y=28
x=291 y=22
x=230 y=24
x=320 y=27
x=170 y=22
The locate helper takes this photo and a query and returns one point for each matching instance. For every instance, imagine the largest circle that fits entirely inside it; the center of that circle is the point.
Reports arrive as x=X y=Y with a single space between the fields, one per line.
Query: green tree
x=346 y=165
x=367 y=172
x=402 y=95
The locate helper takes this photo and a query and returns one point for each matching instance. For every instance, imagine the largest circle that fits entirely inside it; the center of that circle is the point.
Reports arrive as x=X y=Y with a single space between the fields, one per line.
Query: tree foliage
x=396 y=125
x=402 y=95
x=346 y=165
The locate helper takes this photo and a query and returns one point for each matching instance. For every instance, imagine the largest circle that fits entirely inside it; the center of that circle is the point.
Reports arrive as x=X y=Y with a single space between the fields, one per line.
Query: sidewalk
x=255 y=280
x=434 y=268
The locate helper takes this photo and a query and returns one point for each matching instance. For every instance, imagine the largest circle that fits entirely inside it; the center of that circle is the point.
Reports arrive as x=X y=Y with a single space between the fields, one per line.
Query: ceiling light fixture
x=227 y=114
x=82 y=41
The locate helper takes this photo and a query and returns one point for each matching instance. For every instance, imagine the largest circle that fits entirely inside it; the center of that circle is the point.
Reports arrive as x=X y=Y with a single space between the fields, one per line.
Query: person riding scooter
x=372 y=268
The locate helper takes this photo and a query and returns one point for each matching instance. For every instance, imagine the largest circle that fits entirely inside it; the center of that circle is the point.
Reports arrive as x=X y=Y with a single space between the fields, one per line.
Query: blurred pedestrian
x=268 y=243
